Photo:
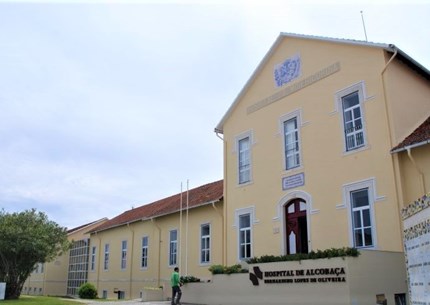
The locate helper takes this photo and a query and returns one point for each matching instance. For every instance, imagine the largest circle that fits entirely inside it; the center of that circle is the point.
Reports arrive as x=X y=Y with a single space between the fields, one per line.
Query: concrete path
x=131 y=302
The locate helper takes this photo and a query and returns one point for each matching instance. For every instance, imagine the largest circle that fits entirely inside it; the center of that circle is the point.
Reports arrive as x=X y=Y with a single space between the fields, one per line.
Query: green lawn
x=36 y=300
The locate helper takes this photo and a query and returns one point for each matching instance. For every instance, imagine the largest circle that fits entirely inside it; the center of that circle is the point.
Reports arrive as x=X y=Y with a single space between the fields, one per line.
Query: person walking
x=176 y=284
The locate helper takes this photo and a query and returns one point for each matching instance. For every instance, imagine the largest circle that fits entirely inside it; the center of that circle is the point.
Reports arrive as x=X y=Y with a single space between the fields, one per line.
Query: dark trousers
x=176 y=291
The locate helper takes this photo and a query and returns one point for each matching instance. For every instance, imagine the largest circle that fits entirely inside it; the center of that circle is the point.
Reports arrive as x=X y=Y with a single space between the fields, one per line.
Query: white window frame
x=106 y=257
x=124 y=254
x=368 y=184
x=238 y=139
x=360 y=89
x=283 y=119
x=238 y=213
x=173 y=248
x=145 y=253
x=93 y=258
x=205 y=244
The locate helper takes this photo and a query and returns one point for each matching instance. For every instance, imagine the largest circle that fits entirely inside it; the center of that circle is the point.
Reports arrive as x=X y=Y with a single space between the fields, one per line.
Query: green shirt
x=174 y=280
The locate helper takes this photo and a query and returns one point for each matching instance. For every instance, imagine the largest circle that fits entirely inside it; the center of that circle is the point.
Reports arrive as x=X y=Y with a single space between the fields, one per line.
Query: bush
x=87 y=291
x=189 y=279
x=220 y=269
x=329 y=253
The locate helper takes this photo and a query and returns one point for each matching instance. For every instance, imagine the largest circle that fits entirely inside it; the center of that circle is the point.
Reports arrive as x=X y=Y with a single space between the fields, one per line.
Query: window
x=360 y=198
x=205 y=244
x=350 y=101
x=353 y=121
x=106 y=260
x=173 y=248
x=144 y=263
x=93 y=258
x=79 y=257
x=361 y=219
x=291 y=140
x=244 y=236
x=244 y=160
x=104 y=294
x=123 y=254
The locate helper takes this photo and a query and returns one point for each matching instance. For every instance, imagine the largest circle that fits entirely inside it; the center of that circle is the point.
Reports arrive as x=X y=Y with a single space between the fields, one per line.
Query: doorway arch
x=281 y=216
x=296 y=226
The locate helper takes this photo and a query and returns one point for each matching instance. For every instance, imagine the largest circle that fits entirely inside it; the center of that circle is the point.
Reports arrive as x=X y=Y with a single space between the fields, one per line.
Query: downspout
x=421 y=174
x=44 y=279
x=131 y=257
x=394 y=158
x=224 y=216
x=159 y=252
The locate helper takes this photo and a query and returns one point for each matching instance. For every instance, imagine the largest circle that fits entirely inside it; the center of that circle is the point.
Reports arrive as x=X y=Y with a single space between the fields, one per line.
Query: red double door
x=296 y=227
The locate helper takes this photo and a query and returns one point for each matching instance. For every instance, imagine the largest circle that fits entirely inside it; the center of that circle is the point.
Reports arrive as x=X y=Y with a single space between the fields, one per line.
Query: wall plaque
x=293 y=181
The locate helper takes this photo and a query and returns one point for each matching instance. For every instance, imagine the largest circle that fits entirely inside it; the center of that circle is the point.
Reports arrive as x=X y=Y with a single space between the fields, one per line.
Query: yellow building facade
x=134 y=254
x=66 y=272
x=323 y=147
x=307 y=148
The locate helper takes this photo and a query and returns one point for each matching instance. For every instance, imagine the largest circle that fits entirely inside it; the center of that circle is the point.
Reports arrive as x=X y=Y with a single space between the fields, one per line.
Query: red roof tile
x=421 y=135
x=201 y=195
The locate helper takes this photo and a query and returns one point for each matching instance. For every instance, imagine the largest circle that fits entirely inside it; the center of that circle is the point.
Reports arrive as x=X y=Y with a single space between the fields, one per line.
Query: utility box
x=2 y=290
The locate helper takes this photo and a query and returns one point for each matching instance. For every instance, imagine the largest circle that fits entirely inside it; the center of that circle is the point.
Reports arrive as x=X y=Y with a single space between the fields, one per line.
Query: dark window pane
x=358 y=238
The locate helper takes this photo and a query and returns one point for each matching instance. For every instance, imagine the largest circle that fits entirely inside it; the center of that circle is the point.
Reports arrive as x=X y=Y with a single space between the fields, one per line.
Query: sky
x=109 y=105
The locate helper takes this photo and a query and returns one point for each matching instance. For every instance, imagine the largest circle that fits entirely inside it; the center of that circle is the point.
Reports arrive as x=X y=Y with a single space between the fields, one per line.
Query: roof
x=73 y=230
x=202 y=195
x=387 y=47
x=418 y=137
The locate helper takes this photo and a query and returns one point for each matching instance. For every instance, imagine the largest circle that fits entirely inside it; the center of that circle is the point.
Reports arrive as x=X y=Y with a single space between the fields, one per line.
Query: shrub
x=189 y=279
x=87 y=291
x=220 y=269
x=216 y=269
x=329 y=253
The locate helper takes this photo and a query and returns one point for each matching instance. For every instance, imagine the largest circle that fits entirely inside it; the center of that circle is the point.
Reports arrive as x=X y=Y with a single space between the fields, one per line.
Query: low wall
x=361 y=280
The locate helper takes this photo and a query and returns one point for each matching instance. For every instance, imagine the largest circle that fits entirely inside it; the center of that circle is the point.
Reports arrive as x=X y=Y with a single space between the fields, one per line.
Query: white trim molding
x=370 y=185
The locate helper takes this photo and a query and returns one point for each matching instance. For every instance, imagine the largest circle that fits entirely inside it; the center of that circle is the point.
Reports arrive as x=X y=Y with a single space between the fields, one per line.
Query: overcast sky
x=105 y=106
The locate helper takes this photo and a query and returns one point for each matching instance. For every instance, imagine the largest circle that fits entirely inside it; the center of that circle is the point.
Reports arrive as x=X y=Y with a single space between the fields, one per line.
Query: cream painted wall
x=415 y=177
x=327 y=168
x=133 y=279
x=408 y=95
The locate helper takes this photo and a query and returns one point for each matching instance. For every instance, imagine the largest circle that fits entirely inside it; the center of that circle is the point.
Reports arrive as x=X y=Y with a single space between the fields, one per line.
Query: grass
x=39 y=300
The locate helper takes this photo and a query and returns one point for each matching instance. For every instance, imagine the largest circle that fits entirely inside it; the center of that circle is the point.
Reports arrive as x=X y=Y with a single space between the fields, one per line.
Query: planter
x=335 y=281
x=152 y=294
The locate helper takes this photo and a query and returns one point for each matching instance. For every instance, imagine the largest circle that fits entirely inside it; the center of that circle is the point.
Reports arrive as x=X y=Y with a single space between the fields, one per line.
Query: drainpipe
x=394 y=159
x=159 y=251
x=421 y=174
x=131 y=257
x=224 y=217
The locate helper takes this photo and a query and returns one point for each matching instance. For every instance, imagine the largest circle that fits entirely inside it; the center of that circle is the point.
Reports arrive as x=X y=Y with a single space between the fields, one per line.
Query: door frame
x=282 y=217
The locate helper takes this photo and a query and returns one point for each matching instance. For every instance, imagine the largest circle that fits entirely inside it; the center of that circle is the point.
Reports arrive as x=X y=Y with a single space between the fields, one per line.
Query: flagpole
x=186 y=234
x=180 y=232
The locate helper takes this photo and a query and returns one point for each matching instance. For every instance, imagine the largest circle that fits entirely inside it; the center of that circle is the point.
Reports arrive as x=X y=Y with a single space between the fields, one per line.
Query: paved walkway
x=131 y=302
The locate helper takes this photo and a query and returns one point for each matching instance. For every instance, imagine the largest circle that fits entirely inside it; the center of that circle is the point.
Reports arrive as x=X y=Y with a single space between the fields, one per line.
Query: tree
x=27 y=238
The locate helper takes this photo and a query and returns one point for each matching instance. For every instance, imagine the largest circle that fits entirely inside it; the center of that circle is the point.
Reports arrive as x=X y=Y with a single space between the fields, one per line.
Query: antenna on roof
x=364 y=26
